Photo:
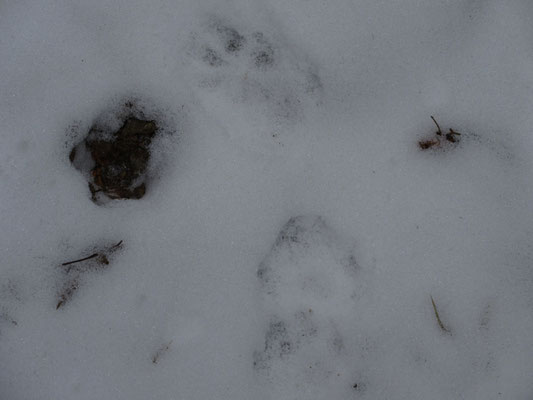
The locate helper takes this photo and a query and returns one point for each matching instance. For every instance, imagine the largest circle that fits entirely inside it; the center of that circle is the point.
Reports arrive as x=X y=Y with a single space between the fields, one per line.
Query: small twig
x=116 y=246
x=104 y=258
x=439 y=132
x=441 y=325
x=160 y=352
x=81 y=259
x=450 y=137
x=101 y=259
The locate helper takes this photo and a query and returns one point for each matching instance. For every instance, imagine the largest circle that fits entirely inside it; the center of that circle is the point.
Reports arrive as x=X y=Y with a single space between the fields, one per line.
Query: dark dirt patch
x=118 y=160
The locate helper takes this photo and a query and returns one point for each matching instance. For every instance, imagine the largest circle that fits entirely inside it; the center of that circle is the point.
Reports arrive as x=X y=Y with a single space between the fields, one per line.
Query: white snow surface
x=293 y=234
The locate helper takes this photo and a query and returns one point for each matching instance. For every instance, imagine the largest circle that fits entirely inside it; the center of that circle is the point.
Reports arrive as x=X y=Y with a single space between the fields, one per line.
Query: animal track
x=307 y=258
x=263 y=53
x=233 y=40
x=224 y=42
x=257 y=70
x=308 y=275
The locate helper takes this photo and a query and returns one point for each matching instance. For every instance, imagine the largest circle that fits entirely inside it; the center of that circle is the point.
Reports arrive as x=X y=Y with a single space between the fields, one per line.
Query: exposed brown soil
x=120 y=160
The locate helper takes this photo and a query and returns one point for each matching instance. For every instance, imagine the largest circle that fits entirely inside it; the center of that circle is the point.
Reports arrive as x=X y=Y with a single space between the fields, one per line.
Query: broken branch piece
x=439 y=321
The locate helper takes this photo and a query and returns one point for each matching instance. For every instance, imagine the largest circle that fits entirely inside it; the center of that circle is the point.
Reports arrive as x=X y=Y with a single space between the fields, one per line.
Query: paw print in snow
x=259 y=72
x=224 y=42
x=308 y=284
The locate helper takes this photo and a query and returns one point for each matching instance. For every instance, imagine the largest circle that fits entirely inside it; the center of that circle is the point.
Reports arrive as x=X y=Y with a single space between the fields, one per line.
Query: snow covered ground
x=294 y=241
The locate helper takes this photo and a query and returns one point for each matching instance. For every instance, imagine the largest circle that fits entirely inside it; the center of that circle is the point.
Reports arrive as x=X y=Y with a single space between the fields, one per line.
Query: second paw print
x=223 y=43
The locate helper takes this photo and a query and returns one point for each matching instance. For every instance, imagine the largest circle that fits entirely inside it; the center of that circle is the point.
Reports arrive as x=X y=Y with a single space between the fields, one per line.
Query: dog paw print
x=309 y=276
x=223 y=43
x=233 y=41
x=257 y=71
x=263 y=54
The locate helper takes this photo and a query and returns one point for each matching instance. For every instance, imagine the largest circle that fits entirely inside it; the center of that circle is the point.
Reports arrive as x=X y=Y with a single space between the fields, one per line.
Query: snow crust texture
x=291 y=239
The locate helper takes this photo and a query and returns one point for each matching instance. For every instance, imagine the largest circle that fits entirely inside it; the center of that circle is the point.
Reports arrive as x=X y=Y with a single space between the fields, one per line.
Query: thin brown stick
x=116 y=246
x=160 y=352
x=81 y=259
x=450 y=136
x=439 y=132
x=441 y=325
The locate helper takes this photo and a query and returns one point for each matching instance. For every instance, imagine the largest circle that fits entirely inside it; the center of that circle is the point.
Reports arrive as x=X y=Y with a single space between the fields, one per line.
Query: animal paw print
x=257 y=70
x=225 y=42
x=309 y=275
x=309 y=259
